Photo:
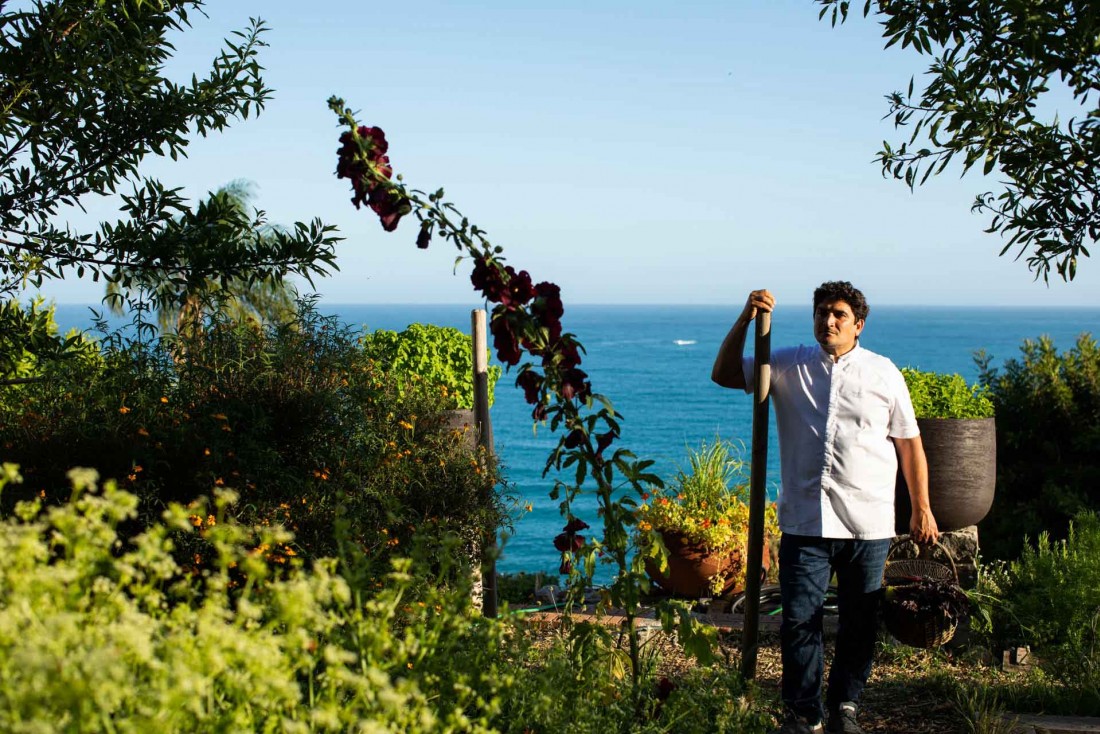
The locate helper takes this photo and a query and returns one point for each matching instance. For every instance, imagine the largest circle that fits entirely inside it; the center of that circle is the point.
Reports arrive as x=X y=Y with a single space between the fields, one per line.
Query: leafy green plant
x=707 y=504
x=518 y=589
x=937 y=395
x=990 y=66
x=1050 y=601
x=30 y=342
x=293 y=416
x=438 y=356
x=983 y=712
x=106 y=632
x=1048 y=428
x=128 y=110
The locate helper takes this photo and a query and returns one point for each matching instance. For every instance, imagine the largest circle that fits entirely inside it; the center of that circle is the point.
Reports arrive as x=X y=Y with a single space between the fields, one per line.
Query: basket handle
x=925 y=550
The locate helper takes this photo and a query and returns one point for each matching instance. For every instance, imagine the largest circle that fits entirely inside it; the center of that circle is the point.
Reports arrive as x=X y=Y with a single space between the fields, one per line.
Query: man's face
x=836 y=327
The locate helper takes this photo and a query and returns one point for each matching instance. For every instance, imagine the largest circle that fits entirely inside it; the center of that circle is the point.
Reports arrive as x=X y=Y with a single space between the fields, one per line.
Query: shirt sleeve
x=781 y=360
x=903 y=420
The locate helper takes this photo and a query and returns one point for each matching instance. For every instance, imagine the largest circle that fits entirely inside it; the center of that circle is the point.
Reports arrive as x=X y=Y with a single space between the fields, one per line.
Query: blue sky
x=632 y=152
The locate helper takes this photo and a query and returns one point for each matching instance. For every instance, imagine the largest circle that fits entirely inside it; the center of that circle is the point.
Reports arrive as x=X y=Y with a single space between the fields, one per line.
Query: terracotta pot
x=962 y=472
x=691 y=568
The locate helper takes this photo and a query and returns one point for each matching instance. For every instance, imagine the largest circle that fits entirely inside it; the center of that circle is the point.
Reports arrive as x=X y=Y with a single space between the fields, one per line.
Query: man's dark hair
x=842 y=290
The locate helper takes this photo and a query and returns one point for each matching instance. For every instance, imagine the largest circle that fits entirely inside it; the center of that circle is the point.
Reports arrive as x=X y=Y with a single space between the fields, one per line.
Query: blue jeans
x=805 y=567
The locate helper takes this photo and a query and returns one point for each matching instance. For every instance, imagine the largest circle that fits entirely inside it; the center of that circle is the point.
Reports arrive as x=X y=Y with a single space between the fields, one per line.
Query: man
x=845 y=423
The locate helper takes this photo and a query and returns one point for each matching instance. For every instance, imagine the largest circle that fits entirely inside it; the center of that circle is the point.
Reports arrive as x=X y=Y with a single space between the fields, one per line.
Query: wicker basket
x=919 y=629
x=926 y=628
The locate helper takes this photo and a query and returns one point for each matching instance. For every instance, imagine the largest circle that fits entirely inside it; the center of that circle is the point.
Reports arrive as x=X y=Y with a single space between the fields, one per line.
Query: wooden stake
x=485 y=441
x=757 y=494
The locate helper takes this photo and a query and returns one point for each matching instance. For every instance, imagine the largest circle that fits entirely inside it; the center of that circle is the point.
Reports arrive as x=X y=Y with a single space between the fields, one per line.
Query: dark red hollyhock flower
x=565 y=567
x=371 y=188
x=547 y=309
x=665 y=687
x=568 y=542
x=570 y=355
x=531 y=383
x=504 y=341
x=574 y=385
x=425 y=237
x=488 y=279
x=549 y=296
x=379 y=148
x=603 y=440
x=518 y=289
x=389 y=205
x=574 y=439
x=574 y=525
x=349 y=165
x=540 y=413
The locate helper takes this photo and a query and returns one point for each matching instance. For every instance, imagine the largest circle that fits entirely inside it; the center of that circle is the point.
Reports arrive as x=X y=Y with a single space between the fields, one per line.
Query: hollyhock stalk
x=526 y=320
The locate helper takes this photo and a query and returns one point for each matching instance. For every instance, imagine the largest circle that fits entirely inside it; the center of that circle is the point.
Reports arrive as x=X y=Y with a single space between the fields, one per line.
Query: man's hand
x=728 y=370
x=761 y=300
x=923 y=528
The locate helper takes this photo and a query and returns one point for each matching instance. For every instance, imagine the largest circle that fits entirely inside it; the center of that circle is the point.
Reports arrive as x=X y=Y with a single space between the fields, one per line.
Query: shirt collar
x=847 y=356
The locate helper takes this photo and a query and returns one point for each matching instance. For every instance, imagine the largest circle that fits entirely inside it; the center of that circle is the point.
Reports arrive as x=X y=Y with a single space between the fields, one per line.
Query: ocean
x=654 y=363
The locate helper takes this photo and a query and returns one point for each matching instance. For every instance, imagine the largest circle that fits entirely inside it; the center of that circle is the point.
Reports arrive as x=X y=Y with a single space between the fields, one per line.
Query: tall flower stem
x=527 y=334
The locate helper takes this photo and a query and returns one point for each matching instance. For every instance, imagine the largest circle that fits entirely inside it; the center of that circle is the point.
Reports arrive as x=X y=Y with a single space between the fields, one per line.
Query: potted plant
x=959 y=436
x=694 y=531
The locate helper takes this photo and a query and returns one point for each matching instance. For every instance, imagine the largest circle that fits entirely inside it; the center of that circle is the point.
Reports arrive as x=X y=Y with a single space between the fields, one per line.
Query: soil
x=905 y=694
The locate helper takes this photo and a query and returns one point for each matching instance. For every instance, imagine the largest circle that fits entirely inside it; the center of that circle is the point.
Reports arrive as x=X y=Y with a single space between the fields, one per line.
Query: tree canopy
x=999 y=68
x=83 y=100
x=184 y=307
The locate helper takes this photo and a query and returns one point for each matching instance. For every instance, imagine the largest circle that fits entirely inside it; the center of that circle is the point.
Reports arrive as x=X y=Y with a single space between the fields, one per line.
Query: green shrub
x=937 y=395
x=100 y=632
x=439 y=356
x=518 y=589
x=98 y=635
x=1048 y=431
x=1050 y=600
x=294 y=416
x=30 y=344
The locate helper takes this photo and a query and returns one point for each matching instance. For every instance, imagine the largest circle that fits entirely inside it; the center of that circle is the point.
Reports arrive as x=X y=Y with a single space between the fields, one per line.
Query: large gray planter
x=962 y=472
x=461 y=420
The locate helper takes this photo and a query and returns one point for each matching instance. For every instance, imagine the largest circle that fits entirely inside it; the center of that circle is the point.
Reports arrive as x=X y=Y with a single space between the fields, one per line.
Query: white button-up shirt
x=835 y=423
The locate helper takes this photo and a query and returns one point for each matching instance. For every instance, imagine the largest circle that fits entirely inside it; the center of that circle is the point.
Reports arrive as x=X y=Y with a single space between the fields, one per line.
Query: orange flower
x=124 y=410
x=142 y=432
x=163 y=399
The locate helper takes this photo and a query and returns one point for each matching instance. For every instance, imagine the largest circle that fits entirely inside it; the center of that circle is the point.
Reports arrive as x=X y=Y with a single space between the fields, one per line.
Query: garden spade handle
x=754 y=562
